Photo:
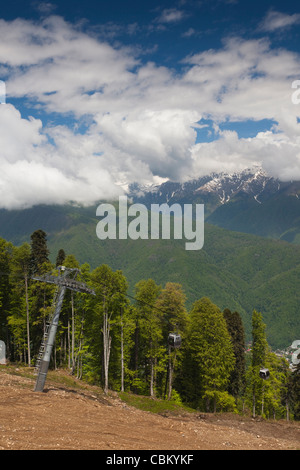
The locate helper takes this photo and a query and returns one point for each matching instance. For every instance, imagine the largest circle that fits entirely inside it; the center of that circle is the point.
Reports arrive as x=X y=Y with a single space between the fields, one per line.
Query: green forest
x=120 y=341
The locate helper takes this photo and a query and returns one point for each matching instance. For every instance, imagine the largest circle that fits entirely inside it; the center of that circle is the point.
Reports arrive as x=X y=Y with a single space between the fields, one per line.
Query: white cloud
x=18 y=137
x=171 y=15
x=44 y=8
x=33 y=171
x=277 y=154
x=191 y=32
x=141 y=117
x=160 y=139
x=57 y=65
x=276 y=20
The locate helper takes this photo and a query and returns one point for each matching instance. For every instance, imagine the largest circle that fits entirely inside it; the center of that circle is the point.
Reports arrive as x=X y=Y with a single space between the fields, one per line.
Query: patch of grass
x=18 y=369
x=59 y=377
x=63 y=377
x=154 y=405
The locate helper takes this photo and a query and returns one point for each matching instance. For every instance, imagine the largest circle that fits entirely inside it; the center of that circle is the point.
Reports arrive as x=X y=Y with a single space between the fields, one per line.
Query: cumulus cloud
x=278 y=155
x=140 y=118
x=160 y=139
x=34 y=171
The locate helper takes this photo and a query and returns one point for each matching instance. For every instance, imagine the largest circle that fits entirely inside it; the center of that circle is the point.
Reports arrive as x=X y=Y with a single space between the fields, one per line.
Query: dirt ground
x=82 y=419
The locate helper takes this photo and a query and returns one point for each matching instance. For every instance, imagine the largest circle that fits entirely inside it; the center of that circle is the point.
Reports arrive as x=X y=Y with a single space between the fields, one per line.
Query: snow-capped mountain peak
x=224 y=186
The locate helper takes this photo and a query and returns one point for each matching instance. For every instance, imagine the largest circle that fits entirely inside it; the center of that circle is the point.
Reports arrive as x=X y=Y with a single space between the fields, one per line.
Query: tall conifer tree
x=211 y=351
x=237 y=333
x=39 y=250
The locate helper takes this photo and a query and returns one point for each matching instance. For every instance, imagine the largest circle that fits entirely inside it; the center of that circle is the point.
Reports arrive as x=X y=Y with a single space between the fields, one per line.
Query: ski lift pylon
x=63 y=282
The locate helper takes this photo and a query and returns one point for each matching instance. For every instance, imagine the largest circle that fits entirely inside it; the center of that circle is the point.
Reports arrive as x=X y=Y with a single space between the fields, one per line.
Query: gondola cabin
x=174 y=340
x=264 y=373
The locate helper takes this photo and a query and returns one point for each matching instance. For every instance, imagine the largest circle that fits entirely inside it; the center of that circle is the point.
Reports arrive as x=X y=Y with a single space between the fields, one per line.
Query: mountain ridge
x=249 y=201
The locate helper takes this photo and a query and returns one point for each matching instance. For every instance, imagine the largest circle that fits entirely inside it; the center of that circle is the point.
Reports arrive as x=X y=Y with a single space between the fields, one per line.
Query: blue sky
x=102 y=94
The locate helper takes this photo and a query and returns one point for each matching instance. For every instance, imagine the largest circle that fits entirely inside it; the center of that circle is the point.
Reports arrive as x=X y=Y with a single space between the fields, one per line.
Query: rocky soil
x=69 y=418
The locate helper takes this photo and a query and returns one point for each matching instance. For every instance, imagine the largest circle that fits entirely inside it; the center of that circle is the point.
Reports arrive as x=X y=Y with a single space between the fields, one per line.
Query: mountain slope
x=235 y=270
x=277 y=217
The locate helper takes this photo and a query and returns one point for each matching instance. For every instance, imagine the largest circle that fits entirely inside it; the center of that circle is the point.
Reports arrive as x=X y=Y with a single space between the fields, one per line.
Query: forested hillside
x=234 y=270
x=237 y=271
x=120 y=338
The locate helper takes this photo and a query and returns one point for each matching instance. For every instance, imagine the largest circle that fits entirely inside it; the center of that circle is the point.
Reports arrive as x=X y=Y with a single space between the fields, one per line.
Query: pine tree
x=61 y=255
x=41 y=293
x=237 y=333
x=211 y=352
x=39 y=250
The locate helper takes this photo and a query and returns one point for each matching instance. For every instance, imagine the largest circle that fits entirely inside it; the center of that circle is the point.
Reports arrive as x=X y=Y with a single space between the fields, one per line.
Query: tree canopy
x=121 y=341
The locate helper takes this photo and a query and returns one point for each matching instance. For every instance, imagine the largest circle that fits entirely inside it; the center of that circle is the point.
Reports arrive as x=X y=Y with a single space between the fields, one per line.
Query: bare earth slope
x=82 y=419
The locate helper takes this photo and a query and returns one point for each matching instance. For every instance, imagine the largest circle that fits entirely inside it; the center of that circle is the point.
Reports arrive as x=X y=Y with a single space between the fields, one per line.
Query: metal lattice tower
x=63 y=282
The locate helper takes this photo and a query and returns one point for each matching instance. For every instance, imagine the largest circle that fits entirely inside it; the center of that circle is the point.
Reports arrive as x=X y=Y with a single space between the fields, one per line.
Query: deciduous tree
x=258 y=360
x=171 y=301
x=150 y=322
